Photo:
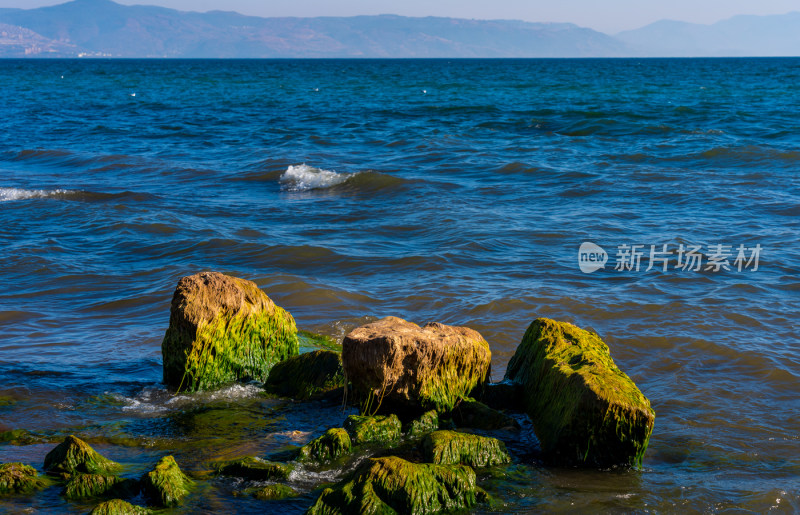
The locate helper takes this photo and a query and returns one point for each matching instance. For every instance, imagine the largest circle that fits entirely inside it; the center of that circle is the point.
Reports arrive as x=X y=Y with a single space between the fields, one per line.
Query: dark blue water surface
x=434 y=190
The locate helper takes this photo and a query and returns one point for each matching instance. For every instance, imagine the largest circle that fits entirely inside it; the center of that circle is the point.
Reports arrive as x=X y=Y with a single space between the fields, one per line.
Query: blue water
x=453 y=191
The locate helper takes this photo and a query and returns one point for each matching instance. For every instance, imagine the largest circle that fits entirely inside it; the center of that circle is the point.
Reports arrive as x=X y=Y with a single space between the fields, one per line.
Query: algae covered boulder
x=273 y=492
x=223 y=329
x=74 y=455
x=451 y=447
x=118 y=507
x=333 y=443
x=392 y=485
x=17 y=478
x=81 y=486
x=584 y=409
x=428 y=422
x=255 y=468
x=166 y=485
x=366 y=429
x=308 y=375
x=412 y=367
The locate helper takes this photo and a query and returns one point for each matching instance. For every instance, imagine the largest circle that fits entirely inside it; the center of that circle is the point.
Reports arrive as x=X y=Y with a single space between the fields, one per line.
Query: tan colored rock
x=399 y=362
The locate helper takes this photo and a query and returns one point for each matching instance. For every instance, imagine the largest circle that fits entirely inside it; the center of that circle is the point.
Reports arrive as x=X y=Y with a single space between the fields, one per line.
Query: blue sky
x=608 y=16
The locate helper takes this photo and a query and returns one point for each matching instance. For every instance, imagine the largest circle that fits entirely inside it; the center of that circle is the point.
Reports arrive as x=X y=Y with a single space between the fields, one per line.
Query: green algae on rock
x=380 y=428
x=419 y=368
x=451 y=447
x=428 y=422
x=309 y=341
x=81 y=486
x=256 y=468
x=273 y=492
x=119 y=507
x=584 y=409
x=74 y=455
x=471 y=413
x=392 y=485
x=166 y=485
x=333 y=443
x=18 y=478
x=223 y=329
x=308 y=375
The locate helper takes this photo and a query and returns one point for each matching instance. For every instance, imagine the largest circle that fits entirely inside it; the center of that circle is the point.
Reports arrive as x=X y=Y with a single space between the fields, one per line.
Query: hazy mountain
x=100 y=27
x=738 y=36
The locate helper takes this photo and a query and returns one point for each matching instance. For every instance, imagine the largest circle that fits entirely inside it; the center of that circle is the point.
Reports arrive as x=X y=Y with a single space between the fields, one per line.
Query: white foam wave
x=304 y=178
x=159 y=399
x=8 y=194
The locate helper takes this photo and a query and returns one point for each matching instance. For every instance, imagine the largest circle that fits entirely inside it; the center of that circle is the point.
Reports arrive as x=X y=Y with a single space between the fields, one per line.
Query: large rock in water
x=584 y=409
x=223 y=329
x=420 y=368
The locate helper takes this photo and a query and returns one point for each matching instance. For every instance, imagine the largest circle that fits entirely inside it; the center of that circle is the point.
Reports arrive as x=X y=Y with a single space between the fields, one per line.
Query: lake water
x=434 y=190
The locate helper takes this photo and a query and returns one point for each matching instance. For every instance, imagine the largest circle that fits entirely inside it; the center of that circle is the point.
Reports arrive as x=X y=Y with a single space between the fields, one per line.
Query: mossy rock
x=477 y=415
x=82 y=486
x=308 y=375
x=428 y=422
x=256 y=468
x=119 y=507
x=7 y=400
x=223 y=329
x=413 y=369
x=18 y=478
x=166 y=485
x=333 y=443
x=584 y=409
x=17 y=436
x=73 y=455
x=392 y=485
x=273 y=492
x=365 y=429
x=451 y=447
x=309 y=341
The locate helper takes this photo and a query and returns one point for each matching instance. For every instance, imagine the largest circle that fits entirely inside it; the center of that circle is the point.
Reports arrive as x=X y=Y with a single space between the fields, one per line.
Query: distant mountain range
x=103 y=28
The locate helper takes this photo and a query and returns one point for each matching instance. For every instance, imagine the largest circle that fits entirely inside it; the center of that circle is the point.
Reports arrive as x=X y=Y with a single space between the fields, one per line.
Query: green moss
x=450 y=447
x=224 y=329
x=274 y=492
x=471 y=413
x=17 y=478
x=309 y=341
x=118 y=507
x=395 y=486
x=74 y=455
x=364 y=429
x=7 y=400
x=307 y=375
x=334 y=443
x=81 y=486
x=428 y=422
x=15 y=436
x=584 y=409
x=166 y=485
x=255 y=468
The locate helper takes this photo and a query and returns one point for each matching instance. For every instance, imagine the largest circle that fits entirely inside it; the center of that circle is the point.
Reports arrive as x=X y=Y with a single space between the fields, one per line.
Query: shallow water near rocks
x=451 y=191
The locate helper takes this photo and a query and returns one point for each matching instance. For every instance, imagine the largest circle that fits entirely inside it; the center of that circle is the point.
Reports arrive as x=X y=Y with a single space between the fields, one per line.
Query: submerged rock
x=166 y=485
x=393 y=485
x=118 y=507
x=421 y=368
x=333 y=443
x=451 y=447
x=308 y=375
x=428 y=422
x=584 y=409
x=274 y=492
x=256 y=468
x=17 y=478
x=73 y=455
x=223 y=329
x=505 y=395
x=365 y=429
x=81 y=486
x=471 y=413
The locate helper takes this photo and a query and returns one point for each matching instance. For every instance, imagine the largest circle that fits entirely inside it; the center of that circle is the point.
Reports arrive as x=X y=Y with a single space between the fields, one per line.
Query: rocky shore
x=424 y=396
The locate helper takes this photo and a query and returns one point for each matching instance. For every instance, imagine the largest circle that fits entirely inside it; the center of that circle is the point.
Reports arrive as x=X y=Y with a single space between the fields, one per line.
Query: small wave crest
x=305 y=178
x=9 y=194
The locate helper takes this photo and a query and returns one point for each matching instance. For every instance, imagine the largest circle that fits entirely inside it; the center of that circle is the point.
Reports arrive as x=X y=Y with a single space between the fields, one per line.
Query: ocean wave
x=305 y=178
x=9 y=194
